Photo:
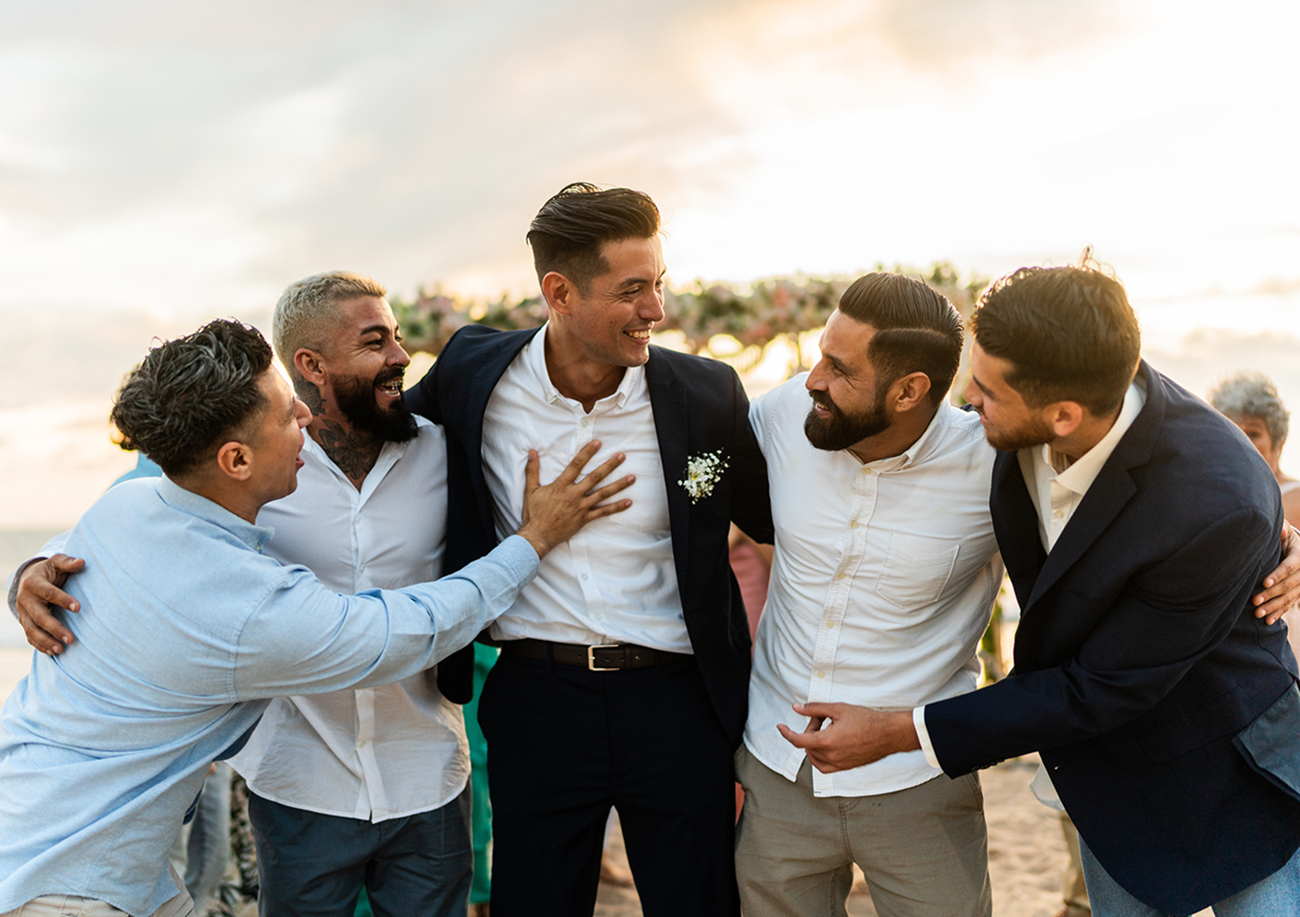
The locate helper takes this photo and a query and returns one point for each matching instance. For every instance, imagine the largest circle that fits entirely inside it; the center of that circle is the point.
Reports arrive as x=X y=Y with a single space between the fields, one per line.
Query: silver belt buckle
x=591 y=657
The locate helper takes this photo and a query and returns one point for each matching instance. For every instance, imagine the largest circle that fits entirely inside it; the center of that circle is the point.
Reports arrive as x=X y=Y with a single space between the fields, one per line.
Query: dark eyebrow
x=840 y=367
x=374 y=329
x=635 y=280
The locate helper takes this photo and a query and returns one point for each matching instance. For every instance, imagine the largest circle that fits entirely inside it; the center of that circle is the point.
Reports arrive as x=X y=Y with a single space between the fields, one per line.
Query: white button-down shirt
x=882 y=582
x=614 y=581
x=1057 y=487
x=373 y=753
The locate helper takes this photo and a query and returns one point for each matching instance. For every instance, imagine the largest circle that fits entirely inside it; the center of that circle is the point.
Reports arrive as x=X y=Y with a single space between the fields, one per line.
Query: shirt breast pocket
x=916 y=570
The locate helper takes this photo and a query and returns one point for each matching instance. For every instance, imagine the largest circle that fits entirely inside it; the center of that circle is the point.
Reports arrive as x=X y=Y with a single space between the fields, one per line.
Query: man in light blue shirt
x=104 y=747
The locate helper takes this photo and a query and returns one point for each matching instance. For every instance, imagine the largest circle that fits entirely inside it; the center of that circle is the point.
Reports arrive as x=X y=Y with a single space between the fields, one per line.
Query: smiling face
x=848 y=402
x=1009 y=423
x=610 y=323
x=365 y=365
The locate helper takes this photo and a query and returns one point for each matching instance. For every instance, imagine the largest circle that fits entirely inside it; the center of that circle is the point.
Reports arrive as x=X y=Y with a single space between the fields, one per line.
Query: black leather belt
x=603 y=657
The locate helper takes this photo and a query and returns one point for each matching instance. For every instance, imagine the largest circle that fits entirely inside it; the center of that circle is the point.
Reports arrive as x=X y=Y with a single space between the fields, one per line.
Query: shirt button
x=830 y=624
x=584 y=577
x=866 y=471
x=853 y=524
x=821 y=674
x=1058 y=514
x=839 y=576
x=586 y=422
x=361 y=744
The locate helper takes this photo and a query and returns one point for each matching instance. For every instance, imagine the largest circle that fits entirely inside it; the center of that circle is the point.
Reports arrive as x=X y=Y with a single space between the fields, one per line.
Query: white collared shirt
x=1058 y=487
x=615 y=580
x=882 y=582
x=370 y=753
x=1056 y=495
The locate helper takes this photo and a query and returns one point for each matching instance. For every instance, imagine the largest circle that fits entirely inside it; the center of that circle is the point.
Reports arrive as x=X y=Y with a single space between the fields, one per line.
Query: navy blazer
x=1166 y=713
x=699 y=407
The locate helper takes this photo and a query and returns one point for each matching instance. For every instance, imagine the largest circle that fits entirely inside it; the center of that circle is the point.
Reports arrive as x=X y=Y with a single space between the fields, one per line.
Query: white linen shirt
x=882 y=582
x=370 y=753
x=614 y=581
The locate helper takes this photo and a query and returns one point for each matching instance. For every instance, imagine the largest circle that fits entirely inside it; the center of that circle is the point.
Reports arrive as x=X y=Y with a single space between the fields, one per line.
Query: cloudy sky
x=162 y=163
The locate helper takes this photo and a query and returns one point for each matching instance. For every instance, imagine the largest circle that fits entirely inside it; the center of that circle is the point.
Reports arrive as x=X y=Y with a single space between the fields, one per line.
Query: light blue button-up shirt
x=188 y=631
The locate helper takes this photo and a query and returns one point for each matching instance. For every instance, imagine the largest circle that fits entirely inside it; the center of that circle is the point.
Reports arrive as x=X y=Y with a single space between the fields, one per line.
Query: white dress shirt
x=615 y=580
x=1057 y=487
x=883 y=580
x=371 y=753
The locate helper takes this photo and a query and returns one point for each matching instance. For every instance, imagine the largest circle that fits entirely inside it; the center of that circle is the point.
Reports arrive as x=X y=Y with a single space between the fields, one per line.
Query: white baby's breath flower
x=703 y=472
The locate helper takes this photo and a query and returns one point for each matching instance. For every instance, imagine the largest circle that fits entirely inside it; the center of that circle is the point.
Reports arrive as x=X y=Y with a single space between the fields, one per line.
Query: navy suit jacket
x=1165 y=711
x=699 y=407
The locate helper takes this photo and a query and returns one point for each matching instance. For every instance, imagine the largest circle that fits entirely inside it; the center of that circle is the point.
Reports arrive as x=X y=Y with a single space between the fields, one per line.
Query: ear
x=1064 y=417
x=235 y=460
x=909 y=391
x=310 y=365
x=558 y=291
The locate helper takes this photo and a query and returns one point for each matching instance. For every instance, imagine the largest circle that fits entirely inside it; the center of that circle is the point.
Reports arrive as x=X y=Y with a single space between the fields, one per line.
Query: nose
x=816 y=381
x=397 y=355
x=652 y=306
x=972 y=394
x=301 y=413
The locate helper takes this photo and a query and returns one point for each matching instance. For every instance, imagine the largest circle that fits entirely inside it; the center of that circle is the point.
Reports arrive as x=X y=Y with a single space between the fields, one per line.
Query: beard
x=356 y=399
x=1033 y=432
x=841 y=430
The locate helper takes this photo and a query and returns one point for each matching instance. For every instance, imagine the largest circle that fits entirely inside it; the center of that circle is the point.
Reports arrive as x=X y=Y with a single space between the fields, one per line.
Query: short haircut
x=191 y=395
x=1068 y=333
x=1248 y=394
x=308 y=309
x=917 y=329
x=567 y=234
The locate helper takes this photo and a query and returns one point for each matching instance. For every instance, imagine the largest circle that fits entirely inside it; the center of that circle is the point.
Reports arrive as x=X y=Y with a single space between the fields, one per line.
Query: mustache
x=824 y=400
x=397 y=372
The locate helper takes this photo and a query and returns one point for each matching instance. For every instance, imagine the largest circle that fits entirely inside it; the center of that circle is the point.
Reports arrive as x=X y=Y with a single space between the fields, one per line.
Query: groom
x=623 y=672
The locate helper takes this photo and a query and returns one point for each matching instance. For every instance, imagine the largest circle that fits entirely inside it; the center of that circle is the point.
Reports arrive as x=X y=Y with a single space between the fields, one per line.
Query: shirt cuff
x=918 y=720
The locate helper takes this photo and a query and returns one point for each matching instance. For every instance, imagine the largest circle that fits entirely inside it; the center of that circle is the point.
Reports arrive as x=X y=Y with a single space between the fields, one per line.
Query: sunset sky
x=163 y=163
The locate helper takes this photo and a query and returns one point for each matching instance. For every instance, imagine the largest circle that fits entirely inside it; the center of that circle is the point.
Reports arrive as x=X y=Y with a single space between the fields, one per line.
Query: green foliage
x=753 y=315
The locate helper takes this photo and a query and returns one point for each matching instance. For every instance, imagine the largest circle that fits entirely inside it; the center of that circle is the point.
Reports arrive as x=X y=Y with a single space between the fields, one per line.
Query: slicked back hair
x=1248 y=394
x=917 y=329
x=307 y=312
x=567 y=234
x=193 y=394
x=1068 y=333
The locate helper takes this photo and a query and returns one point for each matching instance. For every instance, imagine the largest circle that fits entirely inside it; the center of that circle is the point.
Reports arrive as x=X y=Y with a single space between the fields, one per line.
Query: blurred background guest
x=1250 y=400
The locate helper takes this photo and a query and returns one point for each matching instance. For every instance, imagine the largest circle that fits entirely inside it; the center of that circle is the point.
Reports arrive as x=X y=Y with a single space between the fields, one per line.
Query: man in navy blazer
x=1135 y=524
x=575 y=726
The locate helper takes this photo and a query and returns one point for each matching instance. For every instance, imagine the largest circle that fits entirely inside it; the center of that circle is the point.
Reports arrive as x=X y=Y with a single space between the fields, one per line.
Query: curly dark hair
x=188 y=395
x=569 y=230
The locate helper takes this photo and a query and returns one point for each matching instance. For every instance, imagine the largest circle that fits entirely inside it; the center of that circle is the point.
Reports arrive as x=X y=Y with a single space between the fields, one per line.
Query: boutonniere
x=703 y=472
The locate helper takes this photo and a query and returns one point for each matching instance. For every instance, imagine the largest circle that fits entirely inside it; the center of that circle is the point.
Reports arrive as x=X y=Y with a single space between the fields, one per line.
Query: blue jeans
x=1276 y=896
x=314 y=865
x=202 y=849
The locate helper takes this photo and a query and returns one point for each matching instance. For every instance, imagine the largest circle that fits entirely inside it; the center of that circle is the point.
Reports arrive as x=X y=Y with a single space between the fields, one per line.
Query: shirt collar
x=926 y=443
x=1080 y=475
x=534 y=356
x=187 y=501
